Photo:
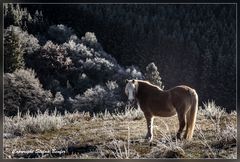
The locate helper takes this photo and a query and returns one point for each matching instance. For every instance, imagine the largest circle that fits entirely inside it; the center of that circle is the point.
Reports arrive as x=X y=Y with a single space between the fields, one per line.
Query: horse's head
x=131 y=89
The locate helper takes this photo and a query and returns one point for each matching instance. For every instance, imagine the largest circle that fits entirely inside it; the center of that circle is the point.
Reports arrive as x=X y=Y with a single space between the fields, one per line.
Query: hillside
x=193 y=44
x=119 y=135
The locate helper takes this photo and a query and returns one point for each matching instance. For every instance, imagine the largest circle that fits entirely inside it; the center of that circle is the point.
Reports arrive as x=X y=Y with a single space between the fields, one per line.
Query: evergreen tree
x=152 y=75
x=8 y=14
x=13 y=54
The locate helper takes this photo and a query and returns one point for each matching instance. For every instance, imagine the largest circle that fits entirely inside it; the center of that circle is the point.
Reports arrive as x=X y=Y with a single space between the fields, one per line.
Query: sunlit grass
x=121 y=134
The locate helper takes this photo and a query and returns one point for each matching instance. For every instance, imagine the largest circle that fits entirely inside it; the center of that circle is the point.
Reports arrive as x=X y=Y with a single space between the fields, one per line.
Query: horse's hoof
x=175 y=138
x=148 y=139
x=179 y=136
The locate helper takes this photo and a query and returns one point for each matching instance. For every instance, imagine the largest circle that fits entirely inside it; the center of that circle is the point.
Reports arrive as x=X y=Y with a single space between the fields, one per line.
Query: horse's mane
x=145 y=82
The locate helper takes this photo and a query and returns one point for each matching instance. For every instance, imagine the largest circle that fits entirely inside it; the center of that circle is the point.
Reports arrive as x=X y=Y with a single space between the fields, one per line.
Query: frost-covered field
x=118 y=135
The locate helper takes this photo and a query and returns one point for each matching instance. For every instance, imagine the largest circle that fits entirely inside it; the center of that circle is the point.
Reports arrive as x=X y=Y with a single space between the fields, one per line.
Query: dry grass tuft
x=40 y=123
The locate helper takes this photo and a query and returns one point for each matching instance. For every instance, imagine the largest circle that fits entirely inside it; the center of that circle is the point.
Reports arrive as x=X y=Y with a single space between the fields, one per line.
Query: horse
x=153 y=101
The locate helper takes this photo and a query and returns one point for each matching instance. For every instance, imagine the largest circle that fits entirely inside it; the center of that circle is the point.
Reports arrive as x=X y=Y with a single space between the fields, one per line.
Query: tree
x=152 y=75
x=13 y=53
x=8 y=14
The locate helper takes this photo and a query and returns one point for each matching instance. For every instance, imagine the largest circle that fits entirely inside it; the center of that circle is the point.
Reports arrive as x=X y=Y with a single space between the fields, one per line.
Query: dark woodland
x=77 y=57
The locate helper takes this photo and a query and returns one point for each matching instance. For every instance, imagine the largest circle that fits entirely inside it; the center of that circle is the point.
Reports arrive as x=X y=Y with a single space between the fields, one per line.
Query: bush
x=78 y=50
x=52 y=65
x=23 y=92
x=99 y=69
x=133 y=72
x=91 y=100
x=213 y=111
x=91 y=41
x=99 y=98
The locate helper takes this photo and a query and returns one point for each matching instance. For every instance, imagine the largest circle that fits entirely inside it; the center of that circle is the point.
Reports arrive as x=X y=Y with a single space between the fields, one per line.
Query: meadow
x=118 y=135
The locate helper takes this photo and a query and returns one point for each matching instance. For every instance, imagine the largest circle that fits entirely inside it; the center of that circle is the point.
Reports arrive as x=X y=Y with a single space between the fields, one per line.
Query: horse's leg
x=149 y=119
x=187 y=127
x=182 y=123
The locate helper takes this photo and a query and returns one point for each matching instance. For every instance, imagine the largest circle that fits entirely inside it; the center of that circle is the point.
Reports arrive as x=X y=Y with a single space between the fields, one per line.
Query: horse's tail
x=192 y=115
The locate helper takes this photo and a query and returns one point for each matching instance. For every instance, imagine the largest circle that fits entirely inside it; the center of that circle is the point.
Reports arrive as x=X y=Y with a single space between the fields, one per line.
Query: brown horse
x=181 y=100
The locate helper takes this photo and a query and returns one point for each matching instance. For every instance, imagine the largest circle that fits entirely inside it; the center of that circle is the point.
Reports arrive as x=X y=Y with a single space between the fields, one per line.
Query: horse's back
x=181 y=95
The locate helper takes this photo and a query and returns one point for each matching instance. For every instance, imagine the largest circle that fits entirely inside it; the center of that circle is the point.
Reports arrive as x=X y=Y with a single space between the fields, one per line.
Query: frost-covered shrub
x=59 y=33
x=114 y=98
x=99 y=69
x=212 y=111
x=90 y=38
x=91 y=100
x=229 y=134
x=58 y=66
x=51 y=64
x=134 y=73
x=23 y=92
x=55 y=53
x=91 y=41
x=78 y=50
x=99 y=98
x=74 y=38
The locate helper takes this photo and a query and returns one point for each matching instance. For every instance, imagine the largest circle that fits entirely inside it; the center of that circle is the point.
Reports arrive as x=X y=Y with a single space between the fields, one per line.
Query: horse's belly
x=164 y=112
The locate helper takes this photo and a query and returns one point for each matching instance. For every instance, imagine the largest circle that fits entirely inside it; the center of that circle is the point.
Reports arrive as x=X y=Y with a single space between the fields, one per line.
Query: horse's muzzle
x=131 y=102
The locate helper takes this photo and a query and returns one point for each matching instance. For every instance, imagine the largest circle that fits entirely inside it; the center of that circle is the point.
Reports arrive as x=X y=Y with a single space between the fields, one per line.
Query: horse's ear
x=126 y=81
x=133 y=81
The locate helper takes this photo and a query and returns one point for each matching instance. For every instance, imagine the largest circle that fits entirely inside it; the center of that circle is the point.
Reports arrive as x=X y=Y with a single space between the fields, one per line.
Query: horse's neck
x=144 y=88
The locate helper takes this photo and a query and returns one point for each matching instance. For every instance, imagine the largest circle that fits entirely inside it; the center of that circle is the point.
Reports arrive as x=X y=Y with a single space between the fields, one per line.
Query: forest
x=76 y=57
